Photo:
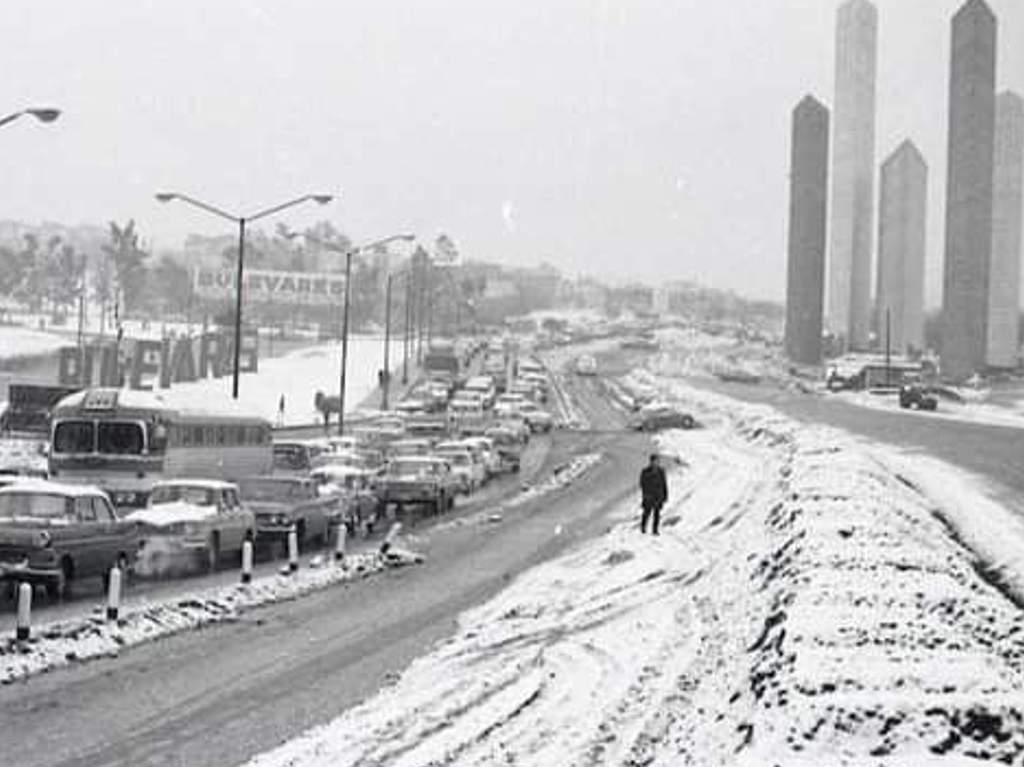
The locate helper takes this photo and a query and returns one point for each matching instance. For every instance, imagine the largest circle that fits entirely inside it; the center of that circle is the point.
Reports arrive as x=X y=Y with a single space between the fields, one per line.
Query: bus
x=125 y=441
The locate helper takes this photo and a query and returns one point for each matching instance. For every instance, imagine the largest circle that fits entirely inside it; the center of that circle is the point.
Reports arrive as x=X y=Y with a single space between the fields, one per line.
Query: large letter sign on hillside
x=146 y=364
x=267 y=286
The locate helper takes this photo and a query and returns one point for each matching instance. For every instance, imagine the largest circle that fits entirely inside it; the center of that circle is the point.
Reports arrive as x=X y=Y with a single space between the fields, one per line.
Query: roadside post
x=247 y=562
x=114 y=593
x=24 y=612
x=293 y=550
x=339 y=544
x=389 y=539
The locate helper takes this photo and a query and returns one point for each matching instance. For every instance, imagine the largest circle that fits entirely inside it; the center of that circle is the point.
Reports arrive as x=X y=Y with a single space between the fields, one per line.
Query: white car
x=485 y=448
x=195 y=516
x=508 y=403
x=464 y=465
x=537 y=417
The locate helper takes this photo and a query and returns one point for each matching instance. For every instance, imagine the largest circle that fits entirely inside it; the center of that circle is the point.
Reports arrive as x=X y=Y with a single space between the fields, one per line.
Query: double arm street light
x=349 y=253
x=321 y=199
x=43 y=114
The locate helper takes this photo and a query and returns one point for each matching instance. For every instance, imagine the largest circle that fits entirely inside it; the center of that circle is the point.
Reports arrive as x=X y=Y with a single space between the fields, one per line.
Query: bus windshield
x=74 y=437
x=120 y=438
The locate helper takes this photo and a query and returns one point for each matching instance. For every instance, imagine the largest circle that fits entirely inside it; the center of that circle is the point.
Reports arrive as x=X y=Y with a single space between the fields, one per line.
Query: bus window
x=73 y=437
x=120 y=438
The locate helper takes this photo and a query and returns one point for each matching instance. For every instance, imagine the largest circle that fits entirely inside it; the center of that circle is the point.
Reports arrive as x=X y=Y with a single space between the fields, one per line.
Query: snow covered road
x=807 y=603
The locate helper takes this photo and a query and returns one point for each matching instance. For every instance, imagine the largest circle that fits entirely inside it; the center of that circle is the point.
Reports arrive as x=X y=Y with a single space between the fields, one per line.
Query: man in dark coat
x=654 y=492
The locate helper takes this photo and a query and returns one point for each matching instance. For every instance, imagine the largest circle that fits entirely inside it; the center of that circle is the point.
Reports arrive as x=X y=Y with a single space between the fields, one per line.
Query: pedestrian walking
x=280 y=411
x=654 y=493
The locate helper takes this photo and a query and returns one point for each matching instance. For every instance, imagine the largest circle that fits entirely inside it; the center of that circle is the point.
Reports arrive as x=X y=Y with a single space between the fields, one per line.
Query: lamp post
x=320 y=199
x=43 y=114
x=349 y=253
x=386 y=382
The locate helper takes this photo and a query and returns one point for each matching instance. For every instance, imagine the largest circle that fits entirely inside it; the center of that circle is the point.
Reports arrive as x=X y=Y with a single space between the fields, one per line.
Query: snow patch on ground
x=807 y=603
x=58 y=644
x=17 y=342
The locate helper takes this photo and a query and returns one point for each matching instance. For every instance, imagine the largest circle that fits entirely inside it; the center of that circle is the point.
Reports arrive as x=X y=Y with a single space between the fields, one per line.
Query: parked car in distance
x=914 y=396
x=658 y=417
x=358 y=505
x=200 y=517
x=426 y=481
x=283 y=502
x=56 y=535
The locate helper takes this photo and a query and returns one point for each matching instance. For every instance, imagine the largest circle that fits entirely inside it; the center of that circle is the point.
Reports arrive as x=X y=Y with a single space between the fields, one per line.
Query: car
x=509 y=402
x=284 y=503
x=485 y=448
x=656 y=418
x=914 y=396
x=57 y=535
x=193 y=517
x=409 y=447
x=359 y=506
x=295 y=456
x=466 y=464
x=537 y=417
x=421 y=480
x=516 y=421
x=507 y=445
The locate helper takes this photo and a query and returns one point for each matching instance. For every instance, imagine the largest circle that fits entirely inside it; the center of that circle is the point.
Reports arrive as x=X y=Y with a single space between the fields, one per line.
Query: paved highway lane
x=995 y=452
x=215 y=697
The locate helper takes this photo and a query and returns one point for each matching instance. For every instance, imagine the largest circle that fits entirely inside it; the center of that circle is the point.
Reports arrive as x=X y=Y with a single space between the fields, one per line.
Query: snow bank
x=58 y=644
x=806 y=604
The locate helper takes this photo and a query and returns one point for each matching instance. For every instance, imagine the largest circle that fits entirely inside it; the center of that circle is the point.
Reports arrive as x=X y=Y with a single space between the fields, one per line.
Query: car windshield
x=34 y=505
x=72 y=436
x=269 y=490
x=120 y=438
x=198 y=496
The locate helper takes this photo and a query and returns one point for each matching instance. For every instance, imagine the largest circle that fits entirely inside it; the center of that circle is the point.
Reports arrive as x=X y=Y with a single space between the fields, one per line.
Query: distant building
x=853 y=169
x=1003 y=345
x=969 y=191
x=901 y=250
x=808 y=211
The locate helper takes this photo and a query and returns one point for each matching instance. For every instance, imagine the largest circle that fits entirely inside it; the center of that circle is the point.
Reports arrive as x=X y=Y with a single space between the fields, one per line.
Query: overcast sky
x=630 y=138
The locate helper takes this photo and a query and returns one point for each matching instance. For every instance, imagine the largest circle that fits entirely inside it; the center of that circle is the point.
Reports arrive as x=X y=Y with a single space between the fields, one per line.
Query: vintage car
x=405 y=448
x=354 y=488
x=296 y=457
x=507 y=445
x=422 y=480
x=537 y=418
x=465 y=465
x=281 y=503
x=656 y=417
x=193 y=517
x=59 y=534
x=484 y=448
x=916 y=396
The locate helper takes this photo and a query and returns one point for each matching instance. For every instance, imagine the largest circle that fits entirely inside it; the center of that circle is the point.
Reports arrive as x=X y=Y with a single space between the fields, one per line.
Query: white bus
x=125 y=441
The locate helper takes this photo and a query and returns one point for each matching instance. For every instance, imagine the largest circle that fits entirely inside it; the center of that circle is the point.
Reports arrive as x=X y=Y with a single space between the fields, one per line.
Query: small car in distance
x=426 y=481
x=190 y=517
x=914 y=396
x=354 y=488
x=658 y=417
x=56 y=535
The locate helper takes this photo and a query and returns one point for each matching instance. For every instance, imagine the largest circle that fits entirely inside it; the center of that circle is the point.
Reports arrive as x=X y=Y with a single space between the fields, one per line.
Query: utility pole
x=386 y=383
x=344 y=342
x=888 y=348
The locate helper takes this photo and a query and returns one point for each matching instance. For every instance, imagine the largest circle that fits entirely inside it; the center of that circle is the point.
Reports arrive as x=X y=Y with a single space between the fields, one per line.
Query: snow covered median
x=809 y=602
x=58 y=644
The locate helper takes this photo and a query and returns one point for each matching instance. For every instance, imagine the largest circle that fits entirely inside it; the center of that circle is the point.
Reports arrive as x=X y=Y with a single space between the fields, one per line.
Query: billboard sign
x=265 y=286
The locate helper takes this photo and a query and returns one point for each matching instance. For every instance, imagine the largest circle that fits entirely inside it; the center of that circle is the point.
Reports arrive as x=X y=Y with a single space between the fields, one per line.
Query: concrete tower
x=902 y=220
x=1004 y=275
x=969 y=191
x=808 y=211
x=853 y=169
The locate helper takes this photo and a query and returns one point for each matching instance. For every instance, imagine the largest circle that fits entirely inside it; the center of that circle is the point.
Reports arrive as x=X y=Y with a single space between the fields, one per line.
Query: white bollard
x=339 y=543
x=293 y=550
x=24 y=612
x=389 y=539
x=246 y=561
x=113 y=593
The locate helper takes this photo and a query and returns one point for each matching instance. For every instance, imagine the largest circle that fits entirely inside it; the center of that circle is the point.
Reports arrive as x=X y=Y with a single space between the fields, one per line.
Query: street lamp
x=320 y=199
x=43 y=114
x=349 y=253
